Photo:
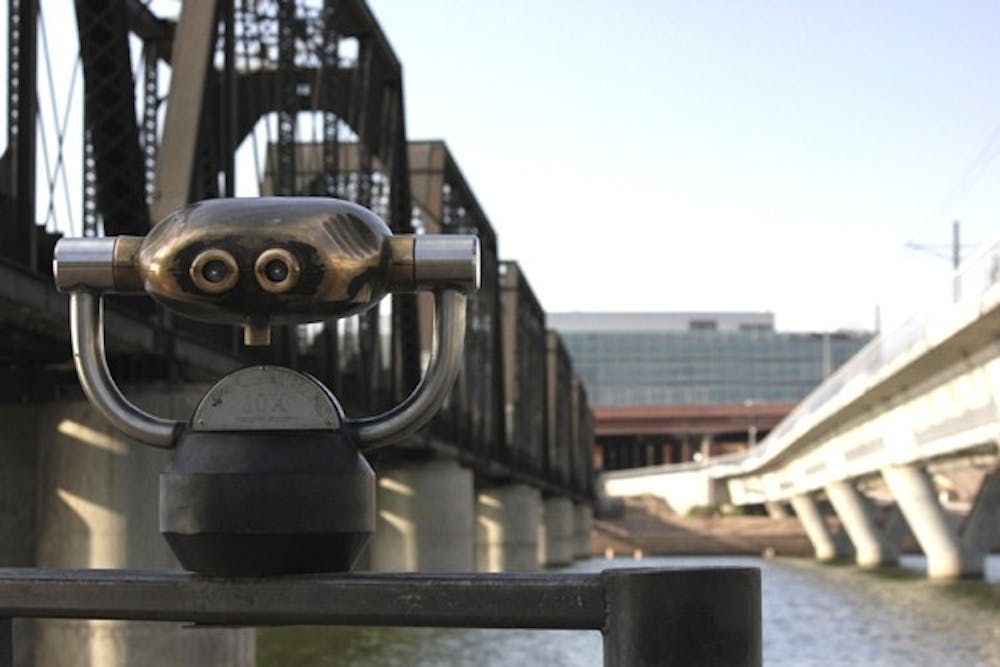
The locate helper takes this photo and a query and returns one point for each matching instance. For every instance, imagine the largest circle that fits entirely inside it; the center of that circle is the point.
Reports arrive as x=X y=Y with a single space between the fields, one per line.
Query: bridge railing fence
x=472 y=414
x=559 y=410
x=524 y=374
x=583 y=446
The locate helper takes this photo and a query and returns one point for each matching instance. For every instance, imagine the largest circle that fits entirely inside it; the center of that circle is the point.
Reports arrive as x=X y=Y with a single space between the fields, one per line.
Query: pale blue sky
x=715 y=155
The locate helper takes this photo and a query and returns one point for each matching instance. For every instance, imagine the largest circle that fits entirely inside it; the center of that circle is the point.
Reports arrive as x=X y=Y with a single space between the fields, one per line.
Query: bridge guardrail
x=644 y=615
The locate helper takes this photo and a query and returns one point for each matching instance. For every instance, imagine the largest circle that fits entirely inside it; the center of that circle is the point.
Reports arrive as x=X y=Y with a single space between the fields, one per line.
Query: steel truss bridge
x=313 y=92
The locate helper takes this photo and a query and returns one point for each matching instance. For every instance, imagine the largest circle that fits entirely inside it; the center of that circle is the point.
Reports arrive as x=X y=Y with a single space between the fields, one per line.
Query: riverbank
x=650 y=527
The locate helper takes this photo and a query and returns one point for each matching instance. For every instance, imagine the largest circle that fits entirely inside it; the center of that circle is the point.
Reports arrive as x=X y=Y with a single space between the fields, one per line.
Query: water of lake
x=813 y=615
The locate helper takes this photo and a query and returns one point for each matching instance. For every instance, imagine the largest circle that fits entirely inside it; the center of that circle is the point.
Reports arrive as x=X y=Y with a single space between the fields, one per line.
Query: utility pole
x=956 y=245
x=956 y=255
x=956 y=259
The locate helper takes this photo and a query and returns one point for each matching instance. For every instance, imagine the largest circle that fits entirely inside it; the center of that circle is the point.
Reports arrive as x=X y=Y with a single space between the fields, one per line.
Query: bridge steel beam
x=947 y=556
x=111 y=125
x=18 y=233
x=819 y=533
x=193 y=45
x=854 y=510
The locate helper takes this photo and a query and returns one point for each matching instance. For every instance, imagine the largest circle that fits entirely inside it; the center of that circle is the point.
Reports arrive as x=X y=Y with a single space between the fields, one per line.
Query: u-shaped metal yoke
x=87 y=331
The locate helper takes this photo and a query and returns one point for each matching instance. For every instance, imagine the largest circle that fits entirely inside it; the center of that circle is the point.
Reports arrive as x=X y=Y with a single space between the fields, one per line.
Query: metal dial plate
x=267 y=398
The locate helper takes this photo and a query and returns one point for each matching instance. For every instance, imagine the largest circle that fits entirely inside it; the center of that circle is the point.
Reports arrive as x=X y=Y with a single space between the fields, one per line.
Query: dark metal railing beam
x=647 y=616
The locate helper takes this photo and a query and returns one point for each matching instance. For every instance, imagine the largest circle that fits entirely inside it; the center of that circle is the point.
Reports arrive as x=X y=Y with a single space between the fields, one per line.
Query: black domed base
x=238 y=504
x=262 y=555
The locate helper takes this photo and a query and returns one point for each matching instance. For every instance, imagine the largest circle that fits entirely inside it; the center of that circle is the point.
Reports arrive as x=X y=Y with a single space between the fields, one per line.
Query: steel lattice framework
x=313 y=88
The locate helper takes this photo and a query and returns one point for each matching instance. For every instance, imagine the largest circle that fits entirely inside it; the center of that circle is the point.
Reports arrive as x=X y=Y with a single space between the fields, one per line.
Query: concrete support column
x=777 y=510
x=915 y=494
x=854 y=511
x=507 y=521
x=583 y=519
x=426 y=518
x=98 y=508
x=707 y=441
x=555 y=546
x=983 y=523
x=812 y=521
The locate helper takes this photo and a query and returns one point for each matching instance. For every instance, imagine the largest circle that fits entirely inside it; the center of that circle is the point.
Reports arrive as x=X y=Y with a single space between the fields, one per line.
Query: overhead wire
x=60 y=130
x=987 y=153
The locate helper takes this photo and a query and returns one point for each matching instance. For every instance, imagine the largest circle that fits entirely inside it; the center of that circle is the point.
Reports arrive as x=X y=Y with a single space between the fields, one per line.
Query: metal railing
x=648 y=617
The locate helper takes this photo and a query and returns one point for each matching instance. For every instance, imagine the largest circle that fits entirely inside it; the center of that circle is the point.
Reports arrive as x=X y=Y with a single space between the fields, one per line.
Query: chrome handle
x=421 y=405
x=86 y=322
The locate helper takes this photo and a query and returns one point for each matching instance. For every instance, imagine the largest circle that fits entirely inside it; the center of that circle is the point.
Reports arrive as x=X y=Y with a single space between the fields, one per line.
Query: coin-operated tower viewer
x=268 y=476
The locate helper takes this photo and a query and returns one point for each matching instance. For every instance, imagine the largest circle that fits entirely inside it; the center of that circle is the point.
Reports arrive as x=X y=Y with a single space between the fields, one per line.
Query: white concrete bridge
x=918 y=399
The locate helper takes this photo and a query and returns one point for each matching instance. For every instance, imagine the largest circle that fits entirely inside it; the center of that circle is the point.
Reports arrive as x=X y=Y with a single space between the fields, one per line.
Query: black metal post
x=682 y=617
x=6 y=642
x=22 y=101
x=227 y=104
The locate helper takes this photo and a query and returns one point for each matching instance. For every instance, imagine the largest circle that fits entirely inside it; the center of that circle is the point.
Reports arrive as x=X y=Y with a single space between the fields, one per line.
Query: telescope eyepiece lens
x=276 y=271
x=215 y=271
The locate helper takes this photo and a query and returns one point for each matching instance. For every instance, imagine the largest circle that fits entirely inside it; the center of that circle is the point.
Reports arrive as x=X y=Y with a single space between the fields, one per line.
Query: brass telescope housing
x=261 y=262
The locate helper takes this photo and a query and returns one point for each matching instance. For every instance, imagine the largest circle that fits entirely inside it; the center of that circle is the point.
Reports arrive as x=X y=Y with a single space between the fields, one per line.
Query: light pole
x=751 y=424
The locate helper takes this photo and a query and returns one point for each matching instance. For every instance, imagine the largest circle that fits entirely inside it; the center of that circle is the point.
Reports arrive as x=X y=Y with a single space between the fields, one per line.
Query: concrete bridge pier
x=777 y=510
x=947 y=556
x=507 y=521
x=555 y=544
x=583 y=520
x=426 y=518
x=871 y=549
x=819 y=534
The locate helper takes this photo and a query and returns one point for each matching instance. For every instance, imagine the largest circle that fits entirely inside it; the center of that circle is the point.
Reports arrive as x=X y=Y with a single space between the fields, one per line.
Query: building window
x=702 y=325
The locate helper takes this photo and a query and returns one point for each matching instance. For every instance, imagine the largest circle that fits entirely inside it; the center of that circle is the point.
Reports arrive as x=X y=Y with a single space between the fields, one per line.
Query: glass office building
x=698 y=358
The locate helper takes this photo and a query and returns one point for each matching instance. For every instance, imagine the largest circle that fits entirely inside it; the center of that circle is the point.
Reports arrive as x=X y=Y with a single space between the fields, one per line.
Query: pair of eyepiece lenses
x=215 y=271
